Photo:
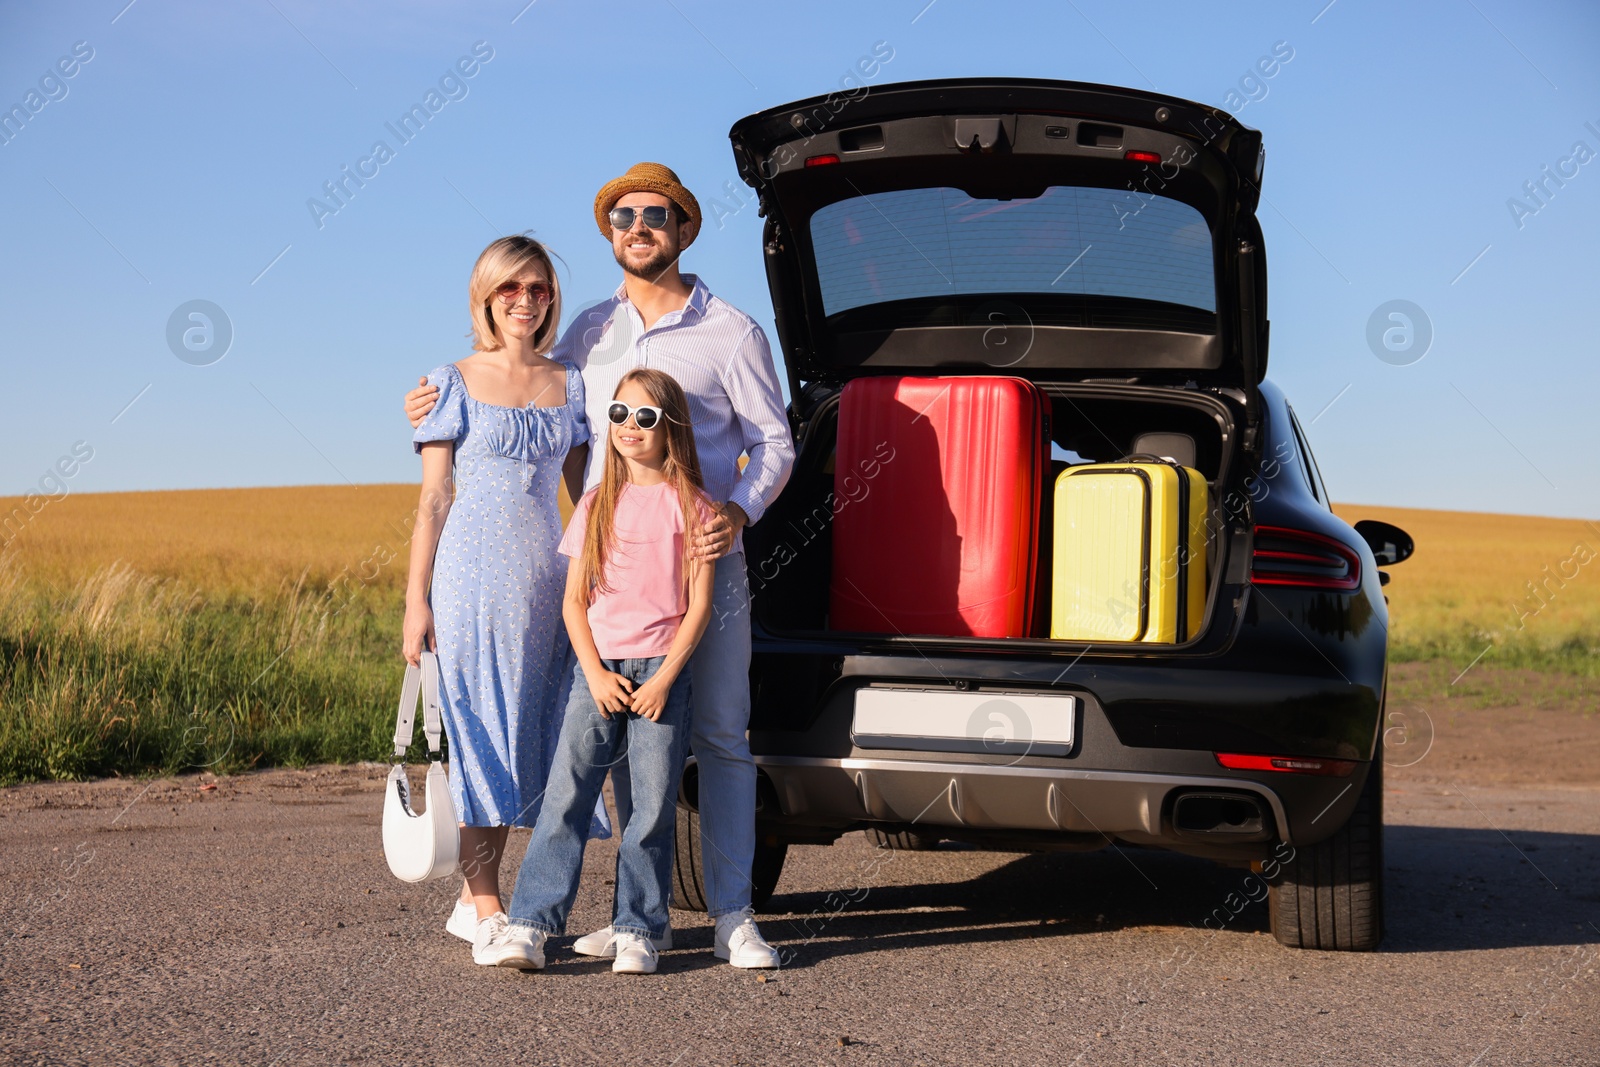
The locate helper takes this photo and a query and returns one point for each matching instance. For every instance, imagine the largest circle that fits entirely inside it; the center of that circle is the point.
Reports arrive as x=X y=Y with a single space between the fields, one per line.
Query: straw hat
x=645 y=178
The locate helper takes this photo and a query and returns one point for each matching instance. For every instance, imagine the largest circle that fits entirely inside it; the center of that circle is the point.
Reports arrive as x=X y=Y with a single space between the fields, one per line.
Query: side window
x=1308 y=462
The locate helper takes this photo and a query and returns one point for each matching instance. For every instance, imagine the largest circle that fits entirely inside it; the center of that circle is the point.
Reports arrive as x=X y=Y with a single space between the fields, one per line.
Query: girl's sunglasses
x=511 y=292
x=644 y=416
x=654 y=217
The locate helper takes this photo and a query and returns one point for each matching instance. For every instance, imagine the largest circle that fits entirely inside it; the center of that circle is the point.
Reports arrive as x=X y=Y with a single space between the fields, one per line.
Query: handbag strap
x=422 y=680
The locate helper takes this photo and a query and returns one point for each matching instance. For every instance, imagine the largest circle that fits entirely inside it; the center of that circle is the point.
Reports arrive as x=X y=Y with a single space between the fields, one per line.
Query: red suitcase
x=937 y=490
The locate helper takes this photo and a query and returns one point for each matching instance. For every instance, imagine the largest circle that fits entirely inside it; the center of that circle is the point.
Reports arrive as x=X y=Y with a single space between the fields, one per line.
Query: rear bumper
x=1146 y=735
x=1128 y=806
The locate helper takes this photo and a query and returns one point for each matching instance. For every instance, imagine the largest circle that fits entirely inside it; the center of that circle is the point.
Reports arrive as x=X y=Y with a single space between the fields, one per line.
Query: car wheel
x=1330 y=895
x=688 y=885
x=905 y=841
x=766 y=868
x=688 y=873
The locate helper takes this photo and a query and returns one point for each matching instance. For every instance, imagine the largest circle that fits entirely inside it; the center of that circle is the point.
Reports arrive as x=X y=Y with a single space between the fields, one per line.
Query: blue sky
x=176 y=162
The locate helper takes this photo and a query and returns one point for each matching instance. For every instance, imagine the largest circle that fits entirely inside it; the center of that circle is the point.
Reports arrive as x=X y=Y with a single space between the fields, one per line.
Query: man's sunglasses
x=654 y=217
x=644 y=416
x=511 y=292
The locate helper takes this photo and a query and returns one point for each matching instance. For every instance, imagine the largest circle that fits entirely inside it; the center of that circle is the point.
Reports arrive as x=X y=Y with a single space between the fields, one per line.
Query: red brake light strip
x=1323 y=552
x=1339 y=768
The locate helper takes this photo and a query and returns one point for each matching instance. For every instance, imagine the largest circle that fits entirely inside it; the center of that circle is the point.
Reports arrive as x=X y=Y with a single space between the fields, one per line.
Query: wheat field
x=234 y=628
x=1504 y=577
x=220 y=541
x=1471 y=571
x=221 y=629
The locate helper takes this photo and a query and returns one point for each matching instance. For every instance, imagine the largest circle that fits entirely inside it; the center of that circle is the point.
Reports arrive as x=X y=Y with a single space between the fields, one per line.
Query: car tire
x=765 y=868
x=905 y=841
x=1329 y=896
x=688 y=873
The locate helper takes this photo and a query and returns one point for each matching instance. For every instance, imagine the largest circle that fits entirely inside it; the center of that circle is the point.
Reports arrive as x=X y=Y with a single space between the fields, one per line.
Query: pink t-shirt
x=639 y=616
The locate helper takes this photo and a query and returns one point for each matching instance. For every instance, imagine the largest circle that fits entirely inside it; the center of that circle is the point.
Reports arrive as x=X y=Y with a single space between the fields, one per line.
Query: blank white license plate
x=976 y=722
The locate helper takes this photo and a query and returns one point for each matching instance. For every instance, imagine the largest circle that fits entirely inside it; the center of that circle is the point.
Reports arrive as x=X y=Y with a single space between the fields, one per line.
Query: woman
x=485 y=585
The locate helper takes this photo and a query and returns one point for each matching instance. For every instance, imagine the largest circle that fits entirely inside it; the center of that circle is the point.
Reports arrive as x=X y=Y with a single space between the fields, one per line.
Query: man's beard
x=651 y=269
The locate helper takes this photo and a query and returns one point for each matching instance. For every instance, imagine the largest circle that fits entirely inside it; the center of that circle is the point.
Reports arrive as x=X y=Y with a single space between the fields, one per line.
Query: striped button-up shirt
x=721 y=358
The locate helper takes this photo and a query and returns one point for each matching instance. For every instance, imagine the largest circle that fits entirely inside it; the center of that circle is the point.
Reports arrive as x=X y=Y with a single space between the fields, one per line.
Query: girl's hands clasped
x=650 y=699
x=613 y=693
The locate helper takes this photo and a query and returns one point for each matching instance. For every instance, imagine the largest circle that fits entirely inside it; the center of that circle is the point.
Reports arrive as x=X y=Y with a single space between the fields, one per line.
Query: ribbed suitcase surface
x=1130 y=553
x=942 y=538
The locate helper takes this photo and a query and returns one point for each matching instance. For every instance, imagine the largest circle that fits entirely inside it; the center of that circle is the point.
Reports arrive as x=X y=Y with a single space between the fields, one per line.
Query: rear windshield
x=932 y=242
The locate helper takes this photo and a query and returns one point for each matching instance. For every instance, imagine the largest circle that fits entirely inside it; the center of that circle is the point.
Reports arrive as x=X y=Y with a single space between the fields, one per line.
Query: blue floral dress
x=504 y=656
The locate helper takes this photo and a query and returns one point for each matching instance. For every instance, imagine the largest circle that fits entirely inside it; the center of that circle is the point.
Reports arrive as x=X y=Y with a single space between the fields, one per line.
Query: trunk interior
x=789 y=553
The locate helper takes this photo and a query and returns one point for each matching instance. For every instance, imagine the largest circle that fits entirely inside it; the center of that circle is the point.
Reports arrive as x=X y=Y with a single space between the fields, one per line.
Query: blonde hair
x=501 y=262
x=682 y=471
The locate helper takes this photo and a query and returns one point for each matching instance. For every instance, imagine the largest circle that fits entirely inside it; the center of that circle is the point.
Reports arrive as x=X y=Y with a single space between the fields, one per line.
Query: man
x=664 y=319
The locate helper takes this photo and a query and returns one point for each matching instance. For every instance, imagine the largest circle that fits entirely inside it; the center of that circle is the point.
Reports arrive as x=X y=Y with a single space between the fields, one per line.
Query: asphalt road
x=256 y=923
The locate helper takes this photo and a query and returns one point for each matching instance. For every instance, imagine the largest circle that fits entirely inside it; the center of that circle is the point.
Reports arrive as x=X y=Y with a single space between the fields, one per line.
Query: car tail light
x=821 y=161
x=1300 y=558
x=1338 y=768
x=1142 y=157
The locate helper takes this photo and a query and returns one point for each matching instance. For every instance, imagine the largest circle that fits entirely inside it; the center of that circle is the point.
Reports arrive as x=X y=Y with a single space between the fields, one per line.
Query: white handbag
x=426 y=846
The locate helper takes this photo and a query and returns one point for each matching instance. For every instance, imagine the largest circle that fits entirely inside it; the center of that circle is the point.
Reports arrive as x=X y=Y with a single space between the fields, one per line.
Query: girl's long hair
x=682 y=470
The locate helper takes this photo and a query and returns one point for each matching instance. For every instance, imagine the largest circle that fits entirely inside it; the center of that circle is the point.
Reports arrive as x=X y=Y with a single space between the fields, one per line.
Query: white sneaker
x=603 y=943
x=635 y=954
x=497 y=943
x=739 y=941
x=463 y=921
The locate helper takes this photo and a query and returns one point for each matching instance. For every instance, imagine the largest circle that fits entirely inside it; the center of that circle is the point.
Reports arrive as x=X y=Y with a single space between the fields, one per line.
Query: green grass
x=127 y=674
x=1573 y=654
x=1508 y=693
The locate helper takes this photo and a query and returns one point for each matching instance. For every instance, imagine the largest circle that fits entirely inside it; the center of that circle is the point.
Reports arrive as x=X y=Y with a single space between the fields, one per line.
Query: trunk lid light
x=1306 y=560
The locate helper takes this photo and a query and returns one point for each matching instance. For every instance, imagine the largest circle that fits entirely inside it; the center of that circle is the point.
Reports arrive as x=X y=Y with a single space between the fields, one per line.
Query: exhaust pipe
x=1213 y=816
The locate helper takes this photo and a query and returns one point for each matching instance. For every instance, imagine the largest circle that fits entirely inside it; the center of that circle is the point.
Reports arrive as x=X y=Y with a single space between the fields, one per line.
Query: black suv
x=1102 y=243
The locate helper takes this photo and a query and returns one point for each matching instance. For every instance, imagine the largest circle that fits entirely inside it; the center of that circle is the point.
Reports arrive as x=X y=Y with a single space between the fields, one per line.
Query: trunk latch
x=983 y=134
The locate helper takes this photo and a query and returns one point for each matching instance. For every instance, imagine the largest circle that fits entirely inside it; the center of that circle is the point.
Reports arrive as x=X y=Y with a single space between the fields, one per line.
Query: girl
x=484 y=584
x=636 y=607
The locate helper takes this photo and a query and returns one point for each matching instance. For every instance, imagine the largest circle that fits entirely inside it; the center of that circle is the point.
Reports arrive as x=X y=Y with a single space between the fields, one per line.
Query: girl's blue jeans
x=590 y=745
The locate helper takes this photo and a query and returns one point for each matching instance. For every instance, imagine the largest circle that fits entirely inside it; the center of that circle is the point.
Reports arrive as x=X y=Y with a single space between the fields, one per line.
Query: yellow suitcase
x=1129 y=553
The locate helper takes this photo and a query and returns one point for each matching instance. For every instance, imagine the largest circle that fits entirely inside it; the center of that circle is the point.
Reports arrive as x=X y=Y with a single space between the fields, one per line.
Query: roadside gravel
x=252 y=920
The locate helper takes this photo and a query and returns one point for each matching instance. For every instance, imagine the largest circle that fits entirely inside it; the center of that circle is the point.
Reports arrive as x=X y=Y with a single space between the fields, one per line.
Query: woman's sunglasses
x=644 y=416
x=511 y=292
x=654 y=217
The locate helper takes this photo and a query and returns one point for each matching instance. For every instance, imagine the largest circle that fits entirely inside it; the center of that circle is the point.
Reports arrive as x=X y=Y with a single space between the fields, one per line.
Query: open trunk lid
x=1037 y=228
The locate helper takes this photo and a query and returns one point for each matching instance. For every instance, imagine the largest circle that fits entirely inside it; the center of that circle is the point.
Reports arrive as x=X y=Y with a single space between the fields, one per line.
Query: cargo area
x=790 y=554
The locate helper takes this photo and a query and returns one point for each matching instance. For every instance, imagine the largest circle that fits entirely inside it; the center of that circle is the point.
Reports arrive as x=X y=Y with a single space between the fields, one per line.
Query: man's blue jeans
x=721 y=669
x=590 y=745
